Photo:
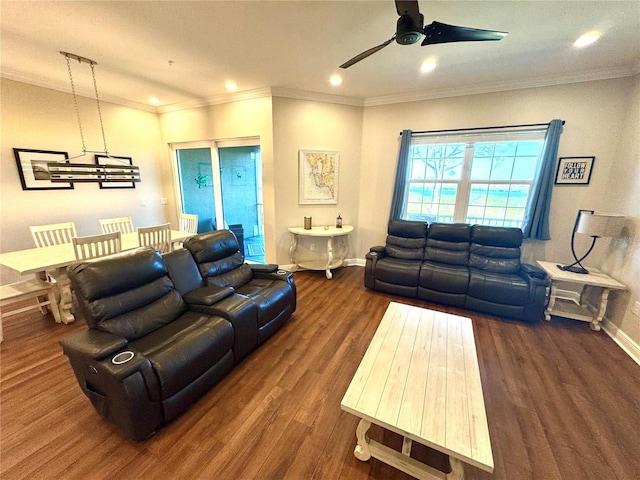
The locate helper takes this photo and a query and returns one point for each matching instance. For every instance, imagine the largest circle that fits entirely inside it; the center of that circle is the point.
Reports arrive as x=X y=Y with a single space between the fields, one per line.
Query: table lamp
x=595 y=225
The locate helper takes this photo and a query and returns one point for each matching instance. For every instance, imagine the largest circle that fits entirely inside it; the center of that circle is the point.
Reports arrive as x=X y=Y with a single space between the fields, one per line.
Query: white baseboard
x=622 y=339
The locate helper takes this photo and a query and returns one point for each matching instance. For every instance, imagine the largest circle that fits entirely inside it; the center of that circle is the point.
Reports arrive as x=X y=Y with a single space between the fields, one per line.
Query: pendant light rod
x=80 y=59
x=92 y=63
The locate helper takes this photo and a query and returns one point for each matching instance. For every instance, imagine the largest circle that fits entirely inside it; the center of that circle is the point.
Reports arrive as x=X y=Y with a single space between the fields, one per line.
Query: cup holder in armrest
x=282 y=272
x=122 y=357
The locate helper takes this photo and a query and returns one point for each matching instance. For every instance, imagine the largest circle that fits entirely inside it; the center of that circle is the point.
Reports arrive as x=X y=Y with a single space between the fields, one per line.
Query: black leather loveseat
x=469 y=266
x=164 y=329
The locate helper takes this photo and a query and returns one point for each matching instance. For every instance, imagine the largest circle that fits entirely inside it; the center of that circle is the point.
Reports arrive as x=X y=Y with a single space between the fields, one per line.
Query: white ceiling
x=296 y=46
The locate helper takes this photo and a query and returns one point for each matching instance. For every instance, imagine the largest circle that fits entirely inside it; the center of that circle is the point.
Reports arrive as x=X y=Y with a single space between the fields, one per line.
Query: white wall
x=593 y=114
x=603 y=120
x=242 y=119
x=43 y=119
x=622 y=257
x=308 y=125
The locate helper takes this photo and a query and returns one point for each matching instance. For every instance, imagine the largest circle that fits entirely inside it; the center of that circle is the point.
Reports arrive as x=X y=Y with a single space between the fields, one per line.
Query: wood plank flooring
x=563 y=402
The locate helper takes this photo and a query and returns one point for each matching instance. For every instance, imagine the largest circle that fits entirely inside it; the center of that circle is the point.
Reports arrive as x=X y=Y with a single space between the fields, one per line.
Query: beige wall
x=42 y=119
x=247 y=118
x=592 y=111
x=302 y=124
x=622 y=256
x=603 y=119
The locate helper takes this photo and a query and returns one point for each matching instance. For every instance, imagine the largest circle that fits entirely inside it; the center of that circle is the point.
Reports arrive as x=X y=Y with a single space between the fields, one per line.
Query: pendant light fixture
x=81 y=172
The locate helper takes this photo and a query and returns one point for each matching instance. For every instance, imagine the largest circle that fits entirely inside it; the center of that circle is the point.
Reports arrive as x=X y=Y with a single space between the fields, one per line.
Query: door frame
x=213 y=146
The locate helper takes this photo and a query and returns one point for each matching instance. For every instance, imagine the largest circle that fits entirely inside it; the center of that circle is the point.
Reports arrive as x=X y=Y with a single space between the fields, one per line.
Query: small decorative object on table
x=339 y=221
x=307 y=223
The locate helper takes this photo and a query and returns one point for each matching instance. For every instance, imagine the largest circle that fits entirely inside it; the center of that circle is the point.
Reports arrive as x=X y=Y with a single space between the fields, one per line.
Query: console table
x=562 y=305
x=330 y=233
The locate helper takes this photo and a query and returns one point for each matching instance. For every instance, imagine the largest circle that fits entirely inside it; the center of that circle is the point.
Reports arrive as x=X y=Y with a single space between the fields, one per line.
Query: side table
x=329 y=233
x=564 y=306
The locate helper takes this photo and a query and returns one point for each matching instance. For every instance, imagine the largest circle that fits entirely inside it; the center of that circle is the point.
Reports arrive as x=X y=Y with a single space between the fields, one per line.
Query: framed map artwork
x=318 y=172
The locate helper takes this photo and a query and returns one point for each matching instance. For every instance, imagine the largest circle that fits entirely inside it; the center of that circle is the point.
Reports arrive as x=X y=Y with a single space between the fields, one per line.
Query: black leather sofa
x=164 y=329
x=470 y=266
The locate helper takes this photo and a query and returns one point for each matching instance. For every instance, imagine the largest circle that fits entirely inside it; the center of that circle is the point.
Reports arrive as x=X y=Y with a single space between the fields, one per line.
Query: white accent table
x=578 y=308
x=335 y=256
x=420 y=378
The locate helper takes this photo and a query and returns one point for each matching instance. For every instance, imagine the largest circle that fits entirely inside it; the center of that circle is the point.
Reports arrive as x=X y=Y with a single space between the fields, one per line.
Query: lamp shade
x=600 y=224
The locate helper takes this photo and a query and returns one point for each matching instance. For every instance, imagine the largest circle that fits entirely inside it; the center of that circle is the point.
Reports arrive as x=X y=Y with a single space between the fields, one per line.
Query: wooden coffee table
x=420 y=378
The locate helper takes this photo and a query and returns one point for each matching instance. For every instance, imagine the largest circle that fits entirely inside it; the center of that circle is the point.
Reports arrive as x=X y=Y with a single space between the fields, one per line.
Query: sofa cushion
x=444 y=278
x=271 y=297
x=495 y=249
x=128 y=294
x=141 y=321
x=398 y=271
x=503 y=288
x=494 y=259
x=185 y=349
x=448 y=243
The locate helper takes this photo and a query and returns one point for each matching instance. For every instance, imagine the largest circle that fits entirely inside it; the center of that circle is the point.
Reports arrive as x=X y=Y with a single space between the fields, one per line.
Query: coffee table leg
x=457 y=469
x=362 y=450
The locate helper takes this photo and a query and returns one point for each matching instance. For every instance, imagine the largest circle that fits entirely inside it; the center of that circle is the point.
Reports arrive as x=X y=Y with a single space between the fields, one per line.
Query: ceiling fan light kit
x=410 y=29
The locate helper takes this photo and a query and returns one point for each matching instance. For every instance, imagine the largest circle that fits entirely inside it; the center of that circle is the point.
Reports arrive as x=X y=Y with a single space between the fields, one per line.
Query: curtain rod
x=483 y=128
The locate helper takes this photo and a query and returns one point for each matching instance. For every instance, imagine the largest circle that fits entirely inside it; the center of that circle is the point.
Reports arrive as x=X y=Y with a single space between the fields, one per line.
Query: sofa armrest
x=93 y=344
x=379 y=249
x=533 y=271
x=277 y=274
x=118 y=380
x=263 y=267
x=106 y=350
x=207 y=295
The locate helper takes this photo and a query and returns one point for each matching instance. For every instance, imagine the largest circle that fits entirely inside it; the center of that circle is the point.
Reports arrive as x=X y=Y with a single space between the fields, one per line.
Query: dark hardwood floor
x=563 y=402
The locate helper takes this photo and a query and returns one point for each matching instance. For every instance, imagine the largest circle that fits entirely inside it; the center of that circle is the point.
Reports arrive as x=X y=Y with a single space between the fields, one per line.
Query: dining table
x=50 y=264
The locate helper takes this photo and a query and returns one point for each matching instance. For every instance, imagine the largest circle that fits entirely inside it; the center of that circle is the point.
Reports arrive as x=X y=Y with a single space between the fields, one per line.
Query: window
x=472 y=178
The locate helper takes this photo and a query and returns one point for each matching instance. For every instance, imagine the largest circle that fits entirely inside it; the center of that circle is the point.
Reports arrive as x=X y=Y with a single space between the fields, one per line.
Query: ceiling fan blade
x=409 y=8
x=366 y=53
x=437 y=32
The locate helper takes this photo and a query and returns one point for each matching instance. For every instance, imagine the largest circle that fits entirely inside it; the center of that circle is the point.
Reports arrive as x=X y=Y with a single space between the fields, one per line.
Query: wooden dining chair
x=158 y=237
x=53 y=234
x=117 y=224
x=94 y=246
x=188 y=223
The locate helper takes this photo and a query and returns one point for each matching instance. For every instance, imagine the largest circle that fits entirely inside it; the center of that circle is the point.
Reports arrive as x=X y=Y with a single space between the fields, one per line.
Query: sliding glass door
x=221 y=182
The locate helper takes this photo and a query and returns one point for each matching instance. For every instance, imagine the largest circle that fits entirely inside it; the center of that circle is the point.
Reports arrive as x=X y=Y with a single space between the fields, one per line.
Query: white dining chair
x=188 y=223
x=158 y=237
x=116 y=224
x=94 y=246
x=53 y=234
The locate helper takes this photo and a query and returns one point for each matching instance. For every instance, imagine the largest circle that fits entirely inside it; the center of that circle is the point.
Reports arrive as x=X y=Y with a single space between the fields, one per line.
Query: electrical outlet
x=312 y=247
x=163 y=201
x=636 y=308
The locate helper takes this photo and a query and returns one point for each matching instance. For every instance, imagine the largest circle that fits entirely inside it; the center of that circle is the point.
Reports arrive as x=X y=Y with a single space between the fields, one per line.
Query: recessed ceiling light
x=154 y=101
x=335 y=80
x=428 y=66
x=231 y=85
x=586 y=39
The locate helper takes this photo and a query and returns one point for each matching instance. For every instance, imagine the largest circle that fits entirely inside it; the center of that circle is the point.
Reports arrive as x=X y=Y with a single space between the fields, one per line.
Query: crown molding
x=80 y=91
x=216 y=100
x=533 y=82
x=317 y=97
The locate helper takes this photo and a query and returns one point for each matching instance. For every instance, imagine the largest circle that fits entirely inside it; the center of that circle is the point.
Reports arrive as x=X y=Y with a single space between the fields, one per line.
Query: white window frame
x=465 y=183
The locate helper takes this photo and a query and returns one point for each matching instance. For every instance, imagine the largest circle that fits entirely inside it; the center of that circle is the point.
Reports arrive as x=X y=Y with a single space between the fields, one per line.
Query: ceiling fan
x=410 y=29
